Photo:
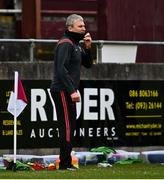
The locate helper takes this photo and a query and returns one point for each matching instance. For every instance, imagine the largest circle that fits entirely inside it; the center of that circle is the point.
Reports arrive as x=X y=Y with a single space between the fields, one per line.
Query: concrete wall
x=44 y=70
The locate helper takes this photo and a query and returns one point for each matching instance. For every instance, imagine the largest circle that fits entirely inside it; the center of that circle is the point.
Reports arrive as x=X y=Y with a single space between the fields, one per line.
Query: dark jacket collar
x=76 y=37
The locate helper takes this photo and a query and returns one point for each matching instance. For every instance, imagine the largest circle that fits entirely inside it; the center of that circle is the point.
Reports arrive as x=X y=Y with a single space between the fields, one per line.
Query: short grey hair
x=71 y=19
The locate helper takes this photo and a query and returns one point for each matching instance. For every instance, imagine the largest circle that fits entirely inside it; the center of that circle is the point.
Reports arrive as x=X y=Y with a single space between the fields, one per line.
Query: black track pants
x=66 y=117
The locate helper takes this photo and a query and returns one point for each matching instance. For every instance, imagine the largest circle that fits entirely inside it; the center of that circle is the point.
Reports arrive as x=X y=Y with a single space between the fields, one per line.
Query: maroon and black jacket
x=69 y=56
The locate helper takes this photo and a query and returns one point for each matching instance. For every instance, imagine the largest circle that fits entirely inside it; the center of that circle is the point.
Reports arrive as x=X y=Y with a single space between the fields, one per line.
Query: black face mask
x=75 y=36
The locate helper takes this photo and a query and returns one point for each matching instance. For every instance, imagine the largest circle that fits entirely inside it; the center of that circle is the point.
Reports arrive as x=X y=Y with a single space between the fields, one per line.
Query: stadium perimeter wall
x=107 y=71
x=44 y=71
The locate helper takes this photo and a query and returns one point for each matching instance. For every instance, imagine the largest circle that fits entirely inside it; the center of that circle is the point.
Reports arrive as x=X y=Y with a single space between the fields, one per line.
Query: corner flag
x=17 y=98
x=17 y=102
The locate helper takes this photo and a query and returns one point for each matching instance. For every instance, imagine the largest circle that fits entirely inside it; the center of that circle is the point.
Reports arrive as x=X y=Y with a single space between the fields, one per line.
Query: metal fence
x=43 y=49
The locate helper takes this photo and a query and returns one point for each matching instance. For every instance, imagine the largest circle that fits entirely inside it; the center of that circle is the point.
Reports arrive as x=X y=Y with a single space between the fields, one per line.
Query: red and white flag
x=17 y=100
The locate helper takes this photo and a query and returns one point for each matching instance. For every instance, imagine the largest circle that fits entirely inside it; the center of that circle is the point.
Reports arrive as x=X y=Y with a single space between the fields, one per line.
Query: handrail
x=94 y=41
x=99 y=44
x=131 y=42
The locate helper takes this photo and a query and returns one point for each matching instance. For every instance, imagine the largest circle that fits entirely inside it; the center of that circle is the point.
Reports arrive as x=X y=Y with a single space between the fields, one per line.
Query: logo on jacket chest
x=78 y=48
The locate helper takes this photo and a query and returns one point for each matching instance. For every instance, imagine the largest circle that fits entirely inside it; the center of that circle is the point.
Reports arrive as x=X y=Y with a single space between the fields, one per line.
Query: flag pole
x=15 y=117
x=17 y=102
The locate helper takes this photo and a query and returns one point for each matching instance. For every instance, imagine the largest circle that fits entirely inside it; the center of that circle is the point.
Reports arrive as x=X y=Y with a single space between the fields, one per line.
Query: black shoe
x=72 y=168
x=62 y=168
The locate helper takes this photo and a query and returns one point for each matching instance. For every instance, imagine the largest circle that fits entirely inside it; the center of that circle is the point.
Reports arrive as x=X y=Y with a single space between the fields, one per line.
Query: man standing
x=69 y=56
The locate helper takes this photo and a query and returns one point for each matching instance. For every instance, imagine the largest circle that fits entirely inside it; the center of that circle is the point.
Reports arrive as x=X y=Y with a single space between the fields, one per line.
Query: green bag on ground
x=129 y=161
x=103 y=149
x=21 y=166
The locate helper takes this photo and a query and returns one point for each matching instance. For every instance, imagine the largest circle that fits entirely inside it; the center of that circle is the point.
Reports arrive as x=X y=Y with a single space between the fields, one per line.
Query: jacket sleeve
x=63 y=57
x=86 y=58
